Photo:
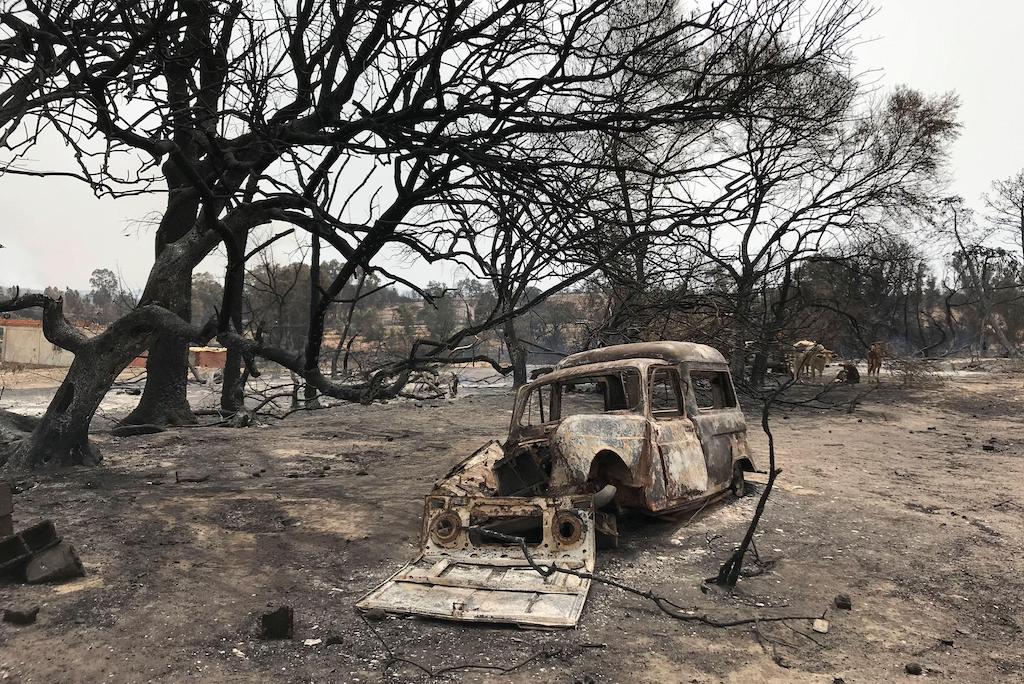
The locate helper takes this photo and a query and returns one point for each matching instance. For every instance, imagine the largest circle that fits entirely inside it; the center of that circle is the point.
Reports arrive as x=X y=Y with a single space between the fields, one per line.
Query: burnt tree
x=245 y=113
x=62 y=436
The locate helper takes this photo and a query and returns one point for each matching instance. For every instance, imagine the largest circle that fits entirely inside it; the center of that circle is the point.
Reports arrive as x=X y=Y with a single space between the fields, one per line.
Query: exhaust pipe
x=604 y=497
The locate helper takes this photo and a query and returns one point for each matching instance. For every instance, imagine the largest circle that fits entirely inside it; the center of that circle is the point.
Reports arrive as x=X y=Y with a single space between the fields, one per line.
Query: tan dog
x=804 y=352
x=875 y=355
x=819 y=361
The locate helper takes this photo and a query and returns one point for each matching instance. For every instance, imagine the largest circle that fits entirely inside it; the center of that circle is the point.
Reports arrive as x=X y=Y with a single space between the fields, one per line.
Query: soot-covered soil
x=898 y=504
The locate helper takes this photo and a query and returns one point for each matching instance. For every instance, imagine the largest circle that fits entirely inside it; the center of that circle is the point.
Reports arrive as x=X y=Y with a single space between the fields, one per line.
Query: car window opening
x=525 y=472
x=666 y=397
x=712 y=390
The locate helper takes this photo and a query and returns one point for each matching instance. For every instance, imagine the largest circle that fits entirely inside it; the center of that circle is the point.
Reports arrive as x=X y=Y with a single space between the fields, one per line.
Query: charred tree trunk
x=738 y=362
x=62 y=436
x=232 y=392
x=344 y=345
x=336 y=356
x=348 y=352
x=317 y=319
x=620 y=320
x=742 y=330
x=769 y=334
x=165 y=398
x=759 y=371
x=729 y=572
x=517 y=353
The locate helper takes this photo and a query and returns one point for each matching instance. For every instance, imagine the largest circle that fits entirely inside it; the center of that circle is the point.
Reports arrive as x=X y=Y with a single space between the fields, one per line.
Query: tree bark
x=348 y=324
x=317 y=318
x=517 y=354
x=62 y=436
x=742 y=331
x=232 y=391
x=737 y=361
x=729 y=572
x=165 y=398
x=759 y=371
x=62 y=439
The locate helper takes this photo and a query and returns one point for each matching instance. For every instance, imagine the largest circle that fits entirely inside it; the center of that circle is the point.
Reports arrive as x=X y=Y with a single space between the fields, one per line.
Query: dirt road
x=912 y=505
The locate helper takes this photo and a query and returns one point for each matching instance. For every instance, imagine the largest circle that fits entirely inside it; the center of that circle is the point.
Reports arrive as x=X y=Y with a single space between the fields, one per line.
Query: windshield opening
x=582 y=395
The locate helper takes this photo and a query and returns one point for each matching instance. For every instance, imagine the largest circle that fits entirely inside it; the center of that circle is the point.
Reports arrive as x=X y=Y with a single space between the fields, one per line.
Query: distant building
x=208 y=357
x=22 y=342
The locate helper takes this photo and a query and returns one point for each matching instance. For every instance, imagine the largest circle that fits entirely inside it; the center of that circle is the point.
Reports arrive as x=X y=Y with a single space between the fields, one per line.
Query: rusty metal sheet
x=723 y=434
x=578 y=439
x=473 y=476
x=682 y=458
x=460 y=576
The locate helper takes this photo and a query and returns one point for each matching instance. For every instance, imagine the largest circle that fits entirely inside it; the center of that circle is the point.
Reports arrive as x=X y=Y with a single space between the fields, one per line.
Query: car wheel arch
x=608 y=467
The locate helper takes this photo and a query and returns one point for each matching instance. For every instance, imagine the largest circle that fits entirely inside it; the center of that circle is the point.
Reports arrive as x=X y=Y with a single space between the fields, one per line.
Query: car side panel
x=578 y=439
x=682 y=458
x=723 y=435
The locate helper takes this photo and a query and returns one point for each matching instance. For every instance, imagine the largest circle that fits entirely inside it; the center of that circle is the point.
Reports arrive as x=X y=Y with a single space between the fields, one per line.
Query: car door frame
x=722 y=430
x=676 y=443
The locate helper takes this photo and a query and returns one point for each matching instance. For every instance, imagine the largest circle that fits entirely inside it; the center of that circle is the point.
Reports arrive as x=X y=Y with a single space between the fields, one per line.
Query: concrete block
x=13 y=553
x=6 y=525
x=40 y=536
x=6 y=498
x=55 y=563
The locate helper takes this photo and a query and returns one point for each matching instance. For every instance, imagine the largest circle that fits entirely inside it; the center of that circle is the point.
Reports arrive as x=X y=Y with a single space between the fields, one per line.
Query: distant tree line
x=945 y=281
x=107 y=299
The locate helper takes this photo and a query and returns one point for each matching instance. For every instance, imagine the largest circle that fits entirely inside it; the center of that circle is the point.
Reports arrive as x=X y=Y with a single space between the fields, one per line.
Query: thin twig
x=667 y=606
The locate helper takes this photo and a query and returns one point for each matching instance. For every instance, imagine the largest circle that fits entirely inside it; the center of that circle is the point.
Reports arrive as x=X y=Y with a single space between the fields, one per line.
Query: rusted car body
x=650 y=427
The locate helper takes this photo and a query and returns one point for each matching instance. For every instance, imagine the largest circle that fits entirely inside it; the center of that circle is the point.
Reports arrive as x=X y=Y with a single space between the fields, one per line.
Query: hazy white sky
x=973 y=49
x=55 y=232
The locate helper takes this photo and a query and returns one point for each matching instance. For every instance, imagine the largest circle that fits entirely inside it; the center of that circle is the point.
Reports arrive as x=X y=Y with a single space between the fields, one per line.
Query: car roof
x=671 y=351
x=594 y=369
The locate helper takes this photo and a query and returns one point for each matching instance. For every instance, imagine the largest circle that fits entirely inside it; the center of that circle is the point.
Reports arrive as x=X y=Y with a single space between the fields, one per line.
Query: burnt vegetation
x=598 y=173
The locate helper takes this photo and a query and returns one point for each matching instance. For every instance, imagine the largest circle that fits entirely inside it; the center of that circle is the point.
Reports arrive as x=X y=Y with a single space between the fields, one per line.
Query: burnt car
x=650 y=427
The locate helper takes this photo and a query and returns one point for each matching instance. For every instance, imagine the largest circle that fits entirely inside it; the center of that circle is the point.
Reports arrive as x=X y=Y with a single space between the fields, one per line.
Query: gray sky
x=973 y=49
x=55 y=232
